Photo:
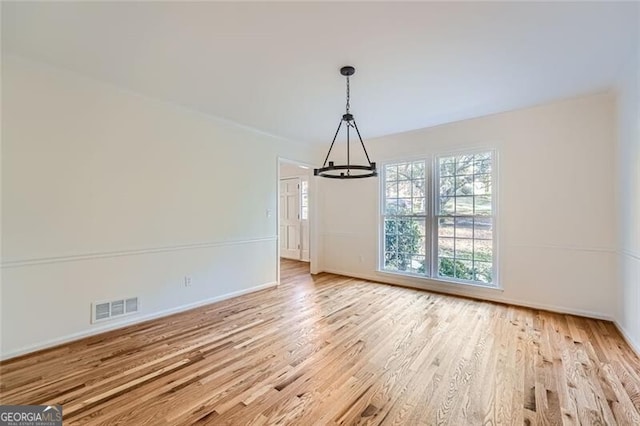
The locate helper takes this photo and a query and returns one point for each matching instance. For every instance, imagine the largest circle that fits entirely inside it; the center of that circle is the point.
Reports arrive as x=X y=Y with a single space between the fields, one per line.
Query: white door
x=290 y=218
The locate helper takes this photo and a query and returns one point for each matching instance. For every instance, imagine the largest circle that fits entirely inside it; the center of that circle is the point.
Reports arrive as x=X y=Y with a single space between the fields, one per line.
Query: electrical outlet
x=187 y=281
x=361 y=258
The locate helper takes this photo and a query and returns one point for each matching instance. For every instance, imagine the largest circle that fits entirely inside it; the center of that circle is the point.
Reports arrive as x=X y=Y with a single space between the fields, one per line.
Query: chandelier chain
x=348 y=96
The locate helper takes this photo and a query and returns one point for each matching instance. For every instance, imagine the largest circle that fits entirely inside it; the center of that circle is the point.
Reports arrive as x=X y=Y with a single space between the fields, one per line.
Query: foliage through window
x=454 y=240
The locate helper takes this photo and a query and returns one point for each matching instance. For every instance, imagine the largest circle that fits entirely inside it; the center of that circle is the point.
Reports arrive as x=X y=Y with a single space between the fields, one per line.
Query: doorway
x=294 y=229
x=290 y=219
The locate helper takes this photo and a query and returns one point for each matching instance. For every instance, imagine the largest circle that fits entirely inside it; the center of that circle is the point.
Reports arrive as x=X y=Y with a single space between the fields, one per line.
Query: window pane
x=391 y=172
x=391 y=226
x=447 y=166
x=404 y=188
x=447 y=186
x=411 y=238
x=483 y=250
x=391 y=206
x=464 y=227
x=464 y=206
x=447 y=206
x=404 y=171
x=464 y=185
x=464 y=248
x=403 y=261
x=391 y=261
x=418 y=188
x=482 y=185
x=392 y=189
x=417 y=172
x=464 y=165
x=420 y=245
x=483 y=272
x=445 y=267
x=404 y=206
x=404 y=237
x=483 y=156
x=464 y=269
x=445 y=247
x=482 y=228
x=483 y=205
x=418 y=264
x=391 y=242
x=482 y=167
x=445 y=227
x=419 y=206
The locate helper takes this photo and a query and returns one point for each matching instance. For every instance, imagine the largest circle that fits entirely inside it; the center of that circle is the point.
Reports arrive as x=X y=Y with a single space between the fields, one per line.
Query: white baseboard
x=473 y=292
x=634 y=345
x=131 y=321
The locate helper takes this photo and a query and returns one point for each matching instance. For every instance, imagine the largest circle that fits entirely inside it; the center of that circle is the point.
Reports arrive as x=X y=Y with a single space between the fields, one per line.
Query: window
x=453 y=240
x=405 y=224
x=464 y=215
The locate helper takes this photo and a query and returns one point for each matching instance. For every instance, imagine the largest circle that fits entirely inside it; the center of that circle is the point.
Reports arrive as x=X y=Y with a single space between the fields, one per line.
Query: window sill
x=440 y=281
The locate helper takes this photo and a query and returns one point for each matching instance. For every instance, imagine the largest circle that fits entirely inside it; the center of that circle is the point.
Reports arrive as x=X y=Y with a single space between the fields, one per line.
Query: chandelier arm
x=348 y=158
x=332 y=142
x=361 y=143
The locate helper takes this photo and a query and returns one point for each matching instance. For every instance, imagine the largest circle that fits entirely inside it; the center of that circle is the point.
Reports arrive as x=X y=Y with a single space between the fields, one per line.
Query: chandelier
x=348 y=170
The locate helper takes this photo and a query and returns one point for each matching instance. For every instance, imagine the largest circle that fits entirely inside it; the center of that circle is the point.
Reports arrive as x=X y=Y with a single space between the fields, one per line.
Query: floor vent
x=102 y=311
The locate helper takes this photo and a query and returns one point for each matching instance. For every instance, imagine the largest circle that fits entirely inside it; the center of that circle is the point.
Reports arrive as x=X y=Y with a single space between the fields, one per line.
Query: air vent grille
x=102 y=311
x=132 y=305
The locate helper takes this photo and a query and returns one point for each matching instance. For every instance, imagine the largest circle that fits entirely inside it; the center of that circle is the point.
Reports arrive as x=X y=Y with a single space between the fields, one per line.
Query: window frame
x=432 y=190
x=427 y=212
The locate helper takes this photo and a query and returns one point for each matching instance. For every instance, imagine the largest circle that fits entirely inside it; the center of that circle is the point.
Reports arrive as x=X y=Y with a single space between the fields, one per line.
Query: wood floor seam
x=329 y=349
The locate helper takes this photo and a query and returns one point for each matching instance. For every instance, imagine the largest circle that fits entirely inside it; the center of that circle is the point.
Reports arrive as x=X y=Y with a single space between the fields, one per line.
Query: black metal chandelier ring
x=323 y=171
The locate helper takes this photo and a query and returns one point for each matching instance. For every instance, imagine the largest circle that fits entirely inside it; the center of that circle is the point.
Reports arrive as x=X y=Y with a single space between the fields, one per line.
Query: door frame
x=313 y=231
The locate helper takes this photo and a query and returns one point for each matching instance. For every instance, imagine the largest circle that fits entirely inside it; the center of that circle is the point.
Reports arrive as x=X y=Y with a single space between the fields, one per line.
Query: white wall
x=557 y=215
x=629 y=201
x=108 y=194
x=289 y=170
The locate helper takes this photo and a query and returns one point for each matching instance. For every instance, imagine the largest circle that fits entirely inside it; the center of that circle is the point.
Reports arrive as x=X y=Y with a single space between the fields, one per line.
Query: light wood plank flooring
x=336 y=350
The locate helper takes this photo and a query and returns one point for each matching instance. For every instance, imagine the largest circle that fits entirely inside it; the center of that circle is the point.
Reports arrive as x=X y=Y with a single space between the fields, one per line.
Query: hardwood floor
x=336 y=350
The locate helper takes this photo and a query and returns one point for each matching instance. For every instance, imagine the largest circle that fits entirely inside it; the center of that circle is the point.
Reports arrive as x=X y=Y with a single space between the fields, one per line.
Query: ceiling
x=274 y=66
